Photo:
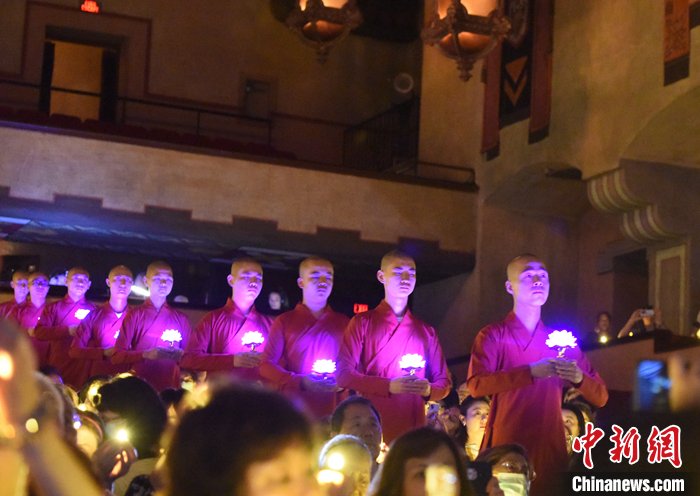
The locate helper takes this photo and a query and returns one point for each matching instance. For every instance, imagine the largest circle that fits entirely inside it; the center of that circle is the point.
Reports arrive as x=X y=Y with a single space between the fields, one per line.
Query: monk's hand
x=247 y=359
x=108 y=352
x=319 y=384
x=568 y=370
x=409 y=385
x=160 y=353
x=72 y=330
x=543 y=368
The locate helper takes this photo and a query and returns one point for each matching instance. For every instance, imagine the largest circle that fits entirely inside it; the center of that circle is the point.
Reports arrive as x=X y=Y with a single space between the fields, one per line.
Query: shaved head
x=310 y=262
x=19 y=275
x=77 y=270
x=158 y=265
x=242 y=262
x=518 y=264
x=395 y=255
x=120 y=270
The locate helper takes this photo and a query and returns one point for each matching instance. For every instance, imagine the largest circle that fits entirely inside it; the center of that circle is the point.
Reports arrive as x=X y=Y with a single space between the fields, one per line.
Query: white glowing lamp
x=323 y=367
x=7 y=366
x=603 y=339
x=251 y=339
x=116 y=334
x=81 y=313
x=171 y=336
x=561 y=340
x=412 y=362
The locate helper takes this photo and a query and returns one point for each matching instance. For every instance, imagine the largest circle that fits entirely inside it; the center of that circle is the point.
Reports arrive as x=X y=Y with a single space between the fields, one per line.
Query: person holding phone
x=642 y=320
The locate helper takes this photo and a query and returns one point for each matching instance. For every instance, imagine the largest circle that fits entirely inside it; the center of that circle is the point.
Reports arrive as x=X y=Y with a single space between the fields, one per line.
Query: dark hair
x=338 y=415
x=494 y=454
x=470 y=400
x=579 y=415
x=172 y=397
x=416 y=443
x=139 y=405
x=213 y=446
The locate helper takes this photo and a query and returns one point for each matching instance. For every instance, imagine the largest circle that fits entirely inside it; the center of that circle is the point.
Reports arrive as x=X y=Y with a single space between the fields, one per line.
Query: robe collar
x=521 y=335
x=386 y=313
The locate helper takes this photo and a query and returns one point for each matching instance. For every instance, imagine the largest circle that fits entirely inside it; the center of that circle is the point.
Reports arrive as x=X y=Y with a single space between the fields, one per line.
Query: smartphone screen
x=651 y=393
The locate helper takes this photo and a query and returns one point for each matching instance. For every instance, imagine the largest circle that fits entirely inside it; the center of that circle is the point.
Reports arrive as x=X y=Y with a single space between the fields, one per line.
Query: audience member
x=511 y=361
x=245 y=442
x=305 y=337
x=94 y=340
x=511 y=467
x=358 y=417
x=601 y=333
x=220 y=343
x=476 y=413
x=642 y=320
x=154 y=334
x=349 y=457
x=377 y=342
x=59 y=323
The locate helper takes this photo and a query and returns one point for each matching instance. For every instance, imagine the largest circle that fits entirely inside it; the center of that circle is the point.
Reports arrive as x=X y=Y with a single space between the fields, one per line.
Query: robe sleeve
x=79 y=347
x=349 y=374
x=483 y=377
x=592 y=387
x=123 y=348
x=197 y=355
x=47 y=329
x=440 y=382
x=271 y=367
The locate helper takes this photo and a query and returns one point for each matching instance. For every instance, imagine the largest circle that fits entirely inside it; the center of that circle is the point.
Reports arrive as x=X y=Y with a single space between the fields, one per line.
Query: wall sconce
x=321 y=24
x=468 y=30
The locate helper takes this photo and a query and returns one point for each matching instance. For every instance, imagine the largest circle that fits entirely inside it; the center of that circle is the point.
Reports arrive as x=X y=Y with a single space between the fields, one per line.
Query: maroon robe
x=28 y=317
x=297 y=339
x=142 y=329
x=96 y=332
x=218 y=337
x=526 y=410
x=53 y=326
x=373 y=345
x=9 y=309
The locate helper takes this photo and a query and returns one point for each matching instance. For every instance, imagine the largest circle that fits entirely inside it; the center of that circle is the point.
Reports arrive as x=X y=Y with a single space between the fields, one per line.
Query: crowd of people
x=133 y=401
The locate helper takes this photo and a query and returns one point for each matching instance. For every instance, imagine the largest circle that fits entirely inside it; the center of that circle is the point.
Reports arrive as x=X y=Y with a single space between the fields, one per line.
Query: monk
x=225 y=340
x=29 y=312
x=58 y=324
x=20 y=289
x=94 y=340
x=377 y=346
x=310 y=334
x=153 y=335
x=511 y=361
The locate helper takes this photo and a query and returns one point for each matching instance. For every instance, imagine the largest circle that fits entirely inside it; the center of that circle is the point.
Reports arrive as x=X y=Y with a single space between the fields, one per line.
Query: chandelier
x=468 y=30
x=322 y=24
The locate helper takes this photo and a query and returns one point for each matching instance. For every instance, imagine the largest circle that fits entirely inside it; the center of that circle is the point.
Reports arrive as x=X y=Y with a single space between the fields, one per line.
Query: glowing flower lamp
x=412 y=362
x=561 y=340
x=323 y=367
x=81 y=313
x=171 y=336
x=251 y=339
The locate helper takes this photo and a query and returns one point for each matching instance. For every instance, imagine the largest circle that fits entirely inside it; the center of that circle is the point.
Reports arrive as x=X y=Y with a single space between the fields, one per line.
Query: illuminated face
x=20 y=285
x=359 y=420
x=512 y=463
x=78 y=283
x=571 y=422
x=414 y=470
x=290 y=473
x=275 y=300
x=354 y=463
x=398 y=276
x=38 y=287
x=316 y=282
x=475 y=421
x=120 y=282
x=528 y=282
x=246 y=280
x=603 y=324
x=160 y=282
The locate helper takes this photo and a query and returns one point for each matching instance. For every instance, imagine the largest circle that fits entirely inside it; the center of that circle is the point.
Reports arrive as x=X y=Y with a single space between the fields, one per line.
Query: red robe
x=8 y=309
x=28 y=317
x=53 y=326
x=296 y=340
x=99 y=330
x=218 y=336
x=373 y=344
x=142 y=329
x=525 y=410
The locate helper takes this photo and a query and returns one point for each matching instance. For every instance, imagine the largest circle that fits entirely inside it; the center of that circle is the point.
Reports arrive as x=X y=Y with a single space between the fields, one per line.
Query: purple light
x=412 y=362
x=252 y=339
x=323 y=367
x=81 y=313
x=561 y=340
x=171 y=336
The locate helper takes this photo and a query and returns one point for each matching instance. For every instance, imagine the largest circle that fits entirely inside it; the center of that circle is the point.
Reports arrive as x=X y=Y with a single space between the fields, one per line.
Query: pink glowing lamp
x=412 y=362
x=561 y=340
x=171 y=336
x=323 y=367
x=251 y=339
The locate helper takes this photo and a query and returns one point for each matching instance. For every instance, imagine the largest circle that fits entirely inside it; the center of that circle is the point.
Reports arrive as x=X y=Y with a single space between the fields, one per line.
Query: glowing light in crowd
x=323 y=367
x=7 y=366
x=332 y=477
x=140 y=291
x=81 y=313
x=336 y=461
x=116 y=334
x=122 y=435
x=411 y=362
x=251 y=339
x=561 y=340
x=603 y=339
x=77 y=424
x=171 y=336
